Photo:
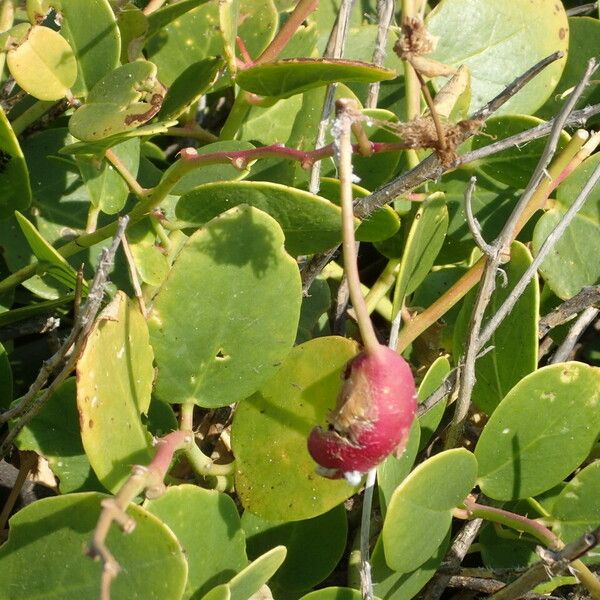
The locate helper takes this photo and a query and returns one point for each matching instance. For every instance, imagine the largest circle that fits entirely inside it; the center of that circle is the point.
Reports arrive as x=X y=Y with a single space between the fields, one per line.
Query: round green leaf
x=295 y=75
x=195 y=35
x=380 y=225
x=276 y=479
x=203 y=519
x=314 y=547
x=576 y=511
x=420 y=511
x=499 y=41
x=210 y=173
x=54 y=434
x=573 y=261
x=193 y=83
x=107 y=189
x=549 y=418
x=46 y=540
x=133 y=27
x=114 y=382
x=392 y=585
x=94 y=36
x=123 y=99
x=584 y=43
x=514 y=352
x=15 y=191
x=514 y=166
x=44 y=64
x=569 y=189
x=241 y=295
x=310 y=223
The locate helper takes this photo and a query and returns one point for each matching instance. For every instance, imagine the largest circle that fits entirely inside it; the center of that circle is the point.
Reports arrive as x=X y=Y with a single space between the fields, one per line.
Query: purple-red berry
x=375 y=409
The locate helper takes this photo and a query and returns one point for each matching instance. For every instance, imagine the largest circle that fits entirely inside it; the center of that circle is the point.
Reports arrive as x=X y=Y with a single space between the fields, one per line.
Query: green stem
x=125 y=173
x=186 y=416
x=195 y=132
x=383 y=284
x=203 y=465
x=237 y=116
x=92 y=218
x=31 y=115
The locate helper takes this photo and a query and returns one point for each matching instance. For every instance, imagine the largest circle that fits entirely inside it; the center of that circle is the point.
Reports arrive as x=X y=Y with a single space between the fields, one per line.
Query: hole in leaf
x=220 y=355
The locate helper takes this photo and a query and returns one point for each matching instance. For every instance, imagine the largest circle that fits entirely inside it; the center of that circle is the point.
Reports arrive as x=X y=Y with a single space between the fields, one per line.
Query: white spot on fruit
x=353 y=477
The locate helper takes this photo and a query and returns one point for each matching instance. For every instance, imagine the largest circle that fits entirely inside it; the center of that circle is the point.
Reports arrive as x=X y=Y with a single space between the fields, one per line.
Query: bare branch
x=385 y=14
x=584 y=9
x=588 y=296
x=586 y=318
x=66 y=357
x=474 y=226
x=335 y=49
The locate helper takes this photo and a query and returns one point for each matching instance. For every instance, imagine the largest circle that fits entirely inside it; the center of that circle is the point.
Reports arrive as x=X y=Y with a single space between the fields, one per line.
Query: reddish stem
x=248 y=62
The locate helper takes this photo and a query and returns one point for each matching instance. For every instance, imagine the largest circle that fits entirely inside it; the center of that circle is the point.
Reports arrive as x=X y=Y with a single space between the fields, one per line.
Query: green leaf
x=231 y=275
x=166 y=14
x=193 y=83
x=46 y=540
x=391 y=585
x=492 y=204
x=285 y=78
x=584 y=43
x=310 y=223
x=229 y=17
x=420 y=511
x=393 y=470
x=209 y=173
x=54 y=434
x=123 y=99
x=576 y=511
x=133 y=27
x=490 y=37
x=433 y=379
x=114 y=382
x=514 y=166
x=256 y=574
x=284 y=411
x=314 y=547
x=334 y=593
x=54 y=264
x=195 y=35
x=94 y=36
x=514 y=352
x=314 y=304
x=550 y=417
x=107 y=189
x=423 y=244
x=6 y=382
x=208 y=528
x=572 y=263
x=43 y=64
x=15 y=191
x=380 y=225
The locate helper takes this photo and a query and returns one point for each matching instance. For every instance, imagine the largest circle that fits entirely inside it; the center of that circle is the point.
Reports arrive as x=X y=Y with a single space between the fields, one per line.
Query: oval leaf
x=187 y=510
x=514 y=352
x=550 y=417
x=230 y=276
x=46 y=540
x=44 y=64
x=246 y=583
x=490 y=38
x=15 y=191
x=420 y=511
x=277 y=481
x=289 y=77
x=577 y=510
x=114 y=382
x=310 y=223
x=314 y=547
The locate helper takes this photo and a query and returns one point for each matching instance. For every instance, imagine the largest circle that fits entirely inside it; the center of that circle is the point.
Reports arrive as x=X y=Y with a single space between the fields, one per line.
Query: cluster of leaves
x=97 y=102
